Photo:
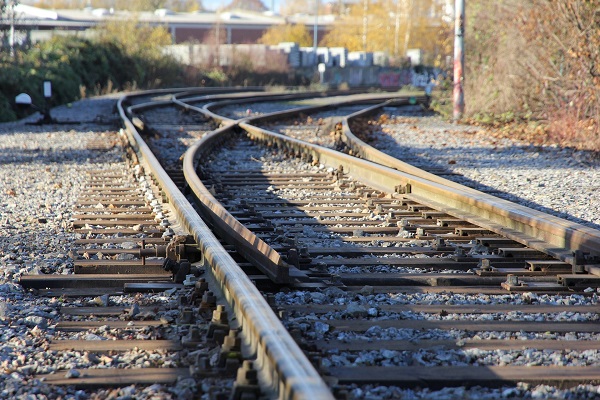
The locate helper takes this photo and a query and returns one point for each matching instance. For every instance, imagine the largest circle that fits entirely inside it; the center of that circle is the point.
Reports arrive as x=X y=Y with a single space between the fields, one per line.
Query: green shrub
x=77 y=66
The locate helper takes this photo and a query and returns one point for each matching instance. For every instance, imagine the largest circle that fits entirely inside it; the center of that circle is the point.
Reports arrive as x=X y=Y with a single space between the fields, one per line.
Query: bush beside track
x=77 y=68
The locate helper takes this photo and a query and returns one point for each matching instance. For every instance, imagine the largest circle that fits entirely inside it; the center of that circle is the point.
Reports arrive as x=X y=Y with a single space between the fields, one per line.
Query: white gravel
x=365 y=306
x=42 y=171
x=560 y=181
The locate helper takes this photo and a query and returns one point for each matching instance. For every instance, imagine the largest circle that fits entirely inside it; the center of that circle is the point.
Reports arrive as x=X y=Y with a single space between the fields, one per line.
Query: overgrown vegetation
x=536 y=63
x=393 y=27
x=123 y=56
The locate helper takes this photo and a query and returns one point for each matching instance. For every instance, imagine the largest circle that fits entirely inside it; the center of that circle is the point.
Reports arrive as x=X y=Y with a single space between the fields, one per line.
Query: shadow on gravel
x=93 y=114
x=513 y=157
x=45 y=156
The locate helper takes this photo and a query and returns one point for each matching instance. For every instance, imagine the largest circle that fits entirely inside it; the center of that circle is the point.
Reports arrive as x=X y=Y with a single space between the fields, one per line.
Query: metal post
x=459 y=59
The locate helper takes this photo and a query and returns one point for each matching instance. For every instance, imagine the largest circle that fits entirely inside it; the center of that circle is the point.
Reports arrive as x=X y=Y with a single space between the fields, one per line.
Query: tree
x=388 y=25
x=536 y=59
x=287 y=33
x=292 y=7
x=7 y=37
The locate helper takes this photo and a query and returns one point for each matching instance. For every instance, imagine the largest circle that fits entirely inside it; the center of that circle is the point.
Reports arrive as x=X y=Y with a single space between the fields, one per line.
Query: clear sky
x=214 y=4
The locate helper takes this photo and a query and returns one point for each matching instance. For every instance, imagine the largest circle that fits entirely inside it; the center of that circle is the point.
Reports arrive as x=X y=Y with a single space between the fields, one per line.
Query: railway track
x=360 y=279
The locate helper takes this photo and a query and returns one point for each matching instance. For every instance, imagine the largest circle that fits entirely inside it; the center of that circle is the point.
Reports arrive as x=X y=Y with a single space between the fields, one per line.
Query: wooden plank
x=98 y=216
x=115 y=210
x=488 y=344
x=87 y=281
x=137 y=240
x=368 y=251
x=428 y=263
x=438 y=263
x=123 y=231
x=452 y=309
x=152 y=287
x=114 y=345
x=496 y=271
x=121 y=222
x=103 y=377
x=76 y=292
x=432 y=279
x=488 y=290
x=106 y=311
x=76 y=326
x=108 y=202
x=123 y=263
x=437 y=377
x=486 y=325
x=111 y=267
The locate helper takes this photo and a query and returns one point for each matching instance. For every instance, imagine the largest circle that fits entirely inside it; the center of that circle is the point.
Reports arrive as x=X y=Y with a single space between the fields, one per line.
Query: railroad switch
x=246 y=386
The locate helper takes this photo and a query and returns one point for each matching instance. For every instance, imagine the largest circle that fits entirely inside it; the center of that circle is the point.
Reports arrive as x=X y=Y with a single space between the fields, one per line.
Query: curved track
x=361 y=271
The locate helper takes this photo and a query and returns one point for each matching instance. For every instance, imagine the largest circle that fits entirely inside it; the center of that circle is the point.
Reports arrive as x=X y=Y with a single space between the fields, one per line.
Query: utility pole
x=459 y=59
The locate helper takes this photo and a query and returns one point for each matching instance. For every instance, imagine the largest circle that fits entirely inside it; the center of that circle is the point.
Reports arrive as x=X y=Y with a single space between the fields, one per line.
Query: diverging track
x=349 y=273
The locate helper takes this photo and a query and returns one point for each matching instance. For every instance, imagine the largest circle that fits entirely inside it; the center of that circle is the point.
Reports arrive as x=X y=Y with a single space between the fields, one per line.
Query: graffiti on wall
x=405 y=77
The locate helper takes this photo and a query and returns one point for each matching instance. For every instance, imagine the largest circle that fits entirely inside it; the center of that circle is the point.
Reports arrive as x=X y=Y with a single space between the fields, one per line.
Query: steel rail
x=255 y=249
x=552 y=235
x=282 y=364
x=251 y=246
x=564 y=237
x=328 y=96
x=236 y=98
x=262 y=98
x=537 y=230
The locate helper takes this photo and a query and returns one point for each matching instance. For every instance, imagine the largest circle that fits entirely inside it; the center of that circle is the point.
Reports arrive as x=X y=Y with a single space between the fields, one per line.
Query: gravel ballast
x=43 y=169
x=561 y=181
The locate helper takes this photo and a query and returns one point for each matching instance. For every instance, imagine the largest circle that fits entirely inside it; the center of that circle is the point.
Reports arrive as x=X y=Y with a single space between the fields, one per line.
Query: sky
x=214 y=4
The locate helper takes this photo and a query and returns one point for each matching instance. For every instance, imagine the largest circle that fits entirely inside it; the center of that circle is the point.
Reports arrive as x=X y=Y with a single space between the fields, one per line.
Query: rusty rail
x=282 y=365
x=552 y=235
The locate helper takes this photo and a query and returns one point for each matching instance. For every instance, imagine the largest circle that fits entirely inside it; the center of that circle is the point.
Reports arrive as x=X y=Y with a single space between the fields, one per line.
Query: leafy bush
x=118 y=59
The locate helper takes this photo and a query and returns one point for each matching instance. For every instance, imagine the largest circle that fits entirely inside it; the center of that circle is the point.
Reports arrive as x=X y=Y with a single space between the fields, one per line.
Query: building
x=233 y=27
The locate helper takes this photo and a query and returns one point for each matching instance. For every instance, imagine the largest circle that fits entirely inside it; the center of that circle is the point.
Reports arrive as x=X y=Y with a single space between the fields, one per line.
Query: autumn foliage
x=536 y=60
